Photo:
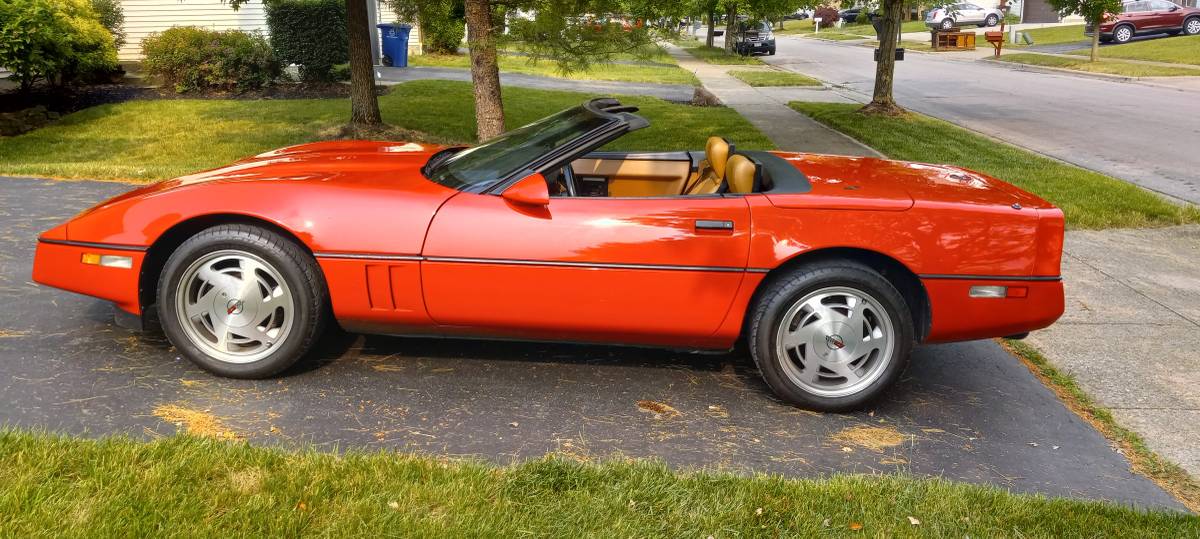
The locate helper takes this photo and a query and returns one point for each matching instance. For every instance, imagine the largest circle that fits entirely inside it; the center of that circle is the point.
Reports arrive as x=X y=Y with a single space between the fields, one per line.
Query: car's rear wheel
x=241 y=301
x=831 y=336
x=991 y=20
x=1122 y=34
x=947 y=23
x=1191 y=26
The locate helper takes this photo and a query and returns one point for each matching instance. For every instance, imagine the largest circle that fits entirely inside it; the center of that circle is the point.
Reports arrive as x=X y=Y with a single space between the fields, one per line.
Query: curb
x=1061 y=71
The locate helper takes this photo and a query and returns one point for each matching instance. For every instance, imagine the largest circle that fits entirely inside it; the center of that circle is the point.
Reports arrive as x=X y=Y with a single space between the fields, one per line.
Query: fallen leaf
x=855 y=526
x=914 y=521
x=758 y=511
x=825 y=523
x=394 y=505
x=302 y=506
x=659 y=409
x=514 y=424
x=847 y=449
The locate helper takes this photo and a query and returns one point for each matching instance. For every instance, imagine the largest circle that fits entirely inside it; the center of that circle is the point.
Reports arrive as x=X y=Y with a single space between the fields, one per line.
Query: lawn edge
x=1143 y=461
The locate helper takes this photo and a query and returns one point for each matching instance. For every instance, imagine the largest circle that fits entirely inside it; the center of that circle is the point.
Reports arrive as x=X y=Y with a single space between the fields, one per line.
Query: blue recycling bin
x=395 y=43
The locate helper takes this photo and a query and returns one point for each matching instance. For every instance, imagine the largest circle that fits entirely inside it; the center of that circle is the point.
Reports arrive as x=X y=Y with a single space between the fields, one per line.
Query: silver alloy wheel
x=1193 y=27
x=1123 y=34
x=234 y=306
x=947 y=24
x=835 y=341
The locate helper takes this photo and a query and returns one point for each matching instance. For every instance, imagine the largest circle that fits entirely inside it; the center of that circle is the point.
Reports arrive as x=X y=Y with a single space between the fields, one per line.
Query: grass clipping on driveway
x=148 y=140
x=1089 y=199
x=57 y=485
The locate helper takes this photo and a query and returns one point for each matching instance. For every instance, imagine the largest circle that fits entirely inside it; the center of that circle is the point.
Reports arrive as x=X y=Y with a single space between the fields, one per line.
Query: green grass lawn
x=717 y=55
x=1111 y=67
x=59 y=486
x=861 y=30
x=154 y=140
x=906 y=44
x=1053 y=35
x=1175 y=50
x=763 y=77
x=1089 y=199
x=664 y=74
x=834 y=36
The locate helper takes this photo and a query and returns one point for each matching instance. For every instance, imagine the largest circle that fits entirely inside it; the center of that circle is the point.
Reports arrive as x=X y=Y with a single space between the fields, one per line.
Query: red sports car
x=831 y=268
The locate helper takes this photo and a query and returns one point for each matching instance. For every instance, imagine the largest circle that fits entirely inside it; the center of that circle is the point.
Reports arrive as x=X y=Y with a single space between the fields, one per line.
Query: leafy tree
x=55 y=40
x=1094 y=12
x=112 y=17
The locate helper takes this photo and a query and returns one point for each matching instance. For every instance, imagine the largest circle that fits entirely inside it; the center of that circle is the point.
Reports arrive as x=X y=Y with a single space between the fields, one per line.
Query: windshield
x=507 y=154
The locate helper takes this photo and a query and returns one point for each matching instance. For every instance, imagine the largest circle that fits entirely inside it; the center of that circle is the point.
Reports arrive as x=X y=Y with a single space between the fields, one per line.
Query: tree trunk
x=485 y=72
x=364 y=104
x=730 y=24
x=882 y=101
x=1096 y=42
x=708 y=41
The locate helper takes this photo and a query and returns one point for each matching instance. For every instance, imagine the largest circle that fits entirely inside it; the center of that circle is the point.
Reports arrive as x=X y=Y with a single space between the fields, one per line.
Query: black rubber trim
x=527 y=262
x=96 y=245
x=779 y=176
x=992 y=277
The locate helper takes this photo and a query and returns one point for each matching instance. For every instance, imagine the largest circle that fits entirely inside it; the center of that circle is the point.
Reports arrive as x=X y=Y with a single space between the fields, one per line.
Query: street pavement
x=968 y=411
x=1143 y=133
x=1131 y=331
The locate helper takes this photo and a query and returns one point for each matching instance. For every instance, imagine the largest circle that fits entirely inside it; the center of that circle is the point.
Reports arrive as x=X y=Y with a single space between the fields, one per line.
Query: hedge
x=190 y=58
x=310 y=34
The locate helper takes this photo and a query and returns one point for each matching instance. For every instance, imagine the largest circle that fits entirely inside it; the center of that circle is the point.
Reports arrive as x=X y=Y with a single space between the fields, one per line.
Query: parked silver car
x=962 y=14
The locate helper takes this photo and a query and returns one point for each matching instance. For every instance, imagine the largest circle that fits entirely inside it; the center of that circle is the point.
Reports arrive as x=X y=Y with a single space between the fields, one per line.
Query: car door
x=1166 y=15
x=970 y=13
x=1140 y=14
x=653 y=270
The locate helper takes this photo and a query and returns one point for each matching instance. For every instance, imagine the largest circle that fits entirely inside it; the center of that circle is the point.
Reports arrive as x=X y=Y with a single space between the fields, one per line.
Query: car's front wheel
x=241 y=301
x=830 y=336
x=947 y=24
x=992 y=20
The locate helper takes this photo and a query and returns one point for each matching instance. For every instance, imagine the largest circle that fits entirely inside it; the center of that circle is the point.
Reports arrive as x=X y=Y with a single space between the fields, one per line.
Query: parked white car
x=962 y=14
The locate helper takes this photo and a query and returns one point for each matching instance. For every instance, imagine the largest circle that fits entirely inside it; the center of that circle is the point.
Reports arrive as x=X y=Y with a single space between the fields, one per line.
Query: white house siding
x=145 y=17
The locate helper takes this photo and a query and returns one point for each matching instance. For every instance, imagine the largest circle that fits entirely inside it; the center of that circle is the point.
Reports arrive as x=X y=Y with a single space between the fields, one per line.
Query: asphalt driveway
x=967 y=411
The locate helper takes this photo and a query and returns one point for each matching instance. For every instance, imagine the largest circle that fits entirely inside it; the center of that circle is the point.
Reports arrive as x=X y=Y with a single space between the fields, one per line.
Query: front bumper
x=956 y=316
x=59 y=263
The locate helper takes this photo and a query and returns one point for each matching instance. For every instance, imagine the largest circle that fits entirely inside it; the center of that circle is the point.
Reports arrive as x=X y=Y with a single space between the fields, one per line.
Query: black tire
x=298 y=270
x=1191 y=26
x=1120 y=37
x=781 y=293
x=771 y=52
x=991 y=20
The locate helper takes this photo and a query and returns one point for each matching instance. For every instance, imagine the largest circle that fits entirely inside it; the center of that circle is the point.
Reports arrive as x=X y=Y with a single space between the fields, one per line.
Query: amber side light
x=107 y=261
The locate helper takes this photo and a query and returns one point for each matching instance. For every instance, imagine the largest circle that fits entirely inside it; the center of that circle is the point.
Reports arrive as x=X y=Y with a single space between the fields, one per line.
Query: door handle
x=713 y=224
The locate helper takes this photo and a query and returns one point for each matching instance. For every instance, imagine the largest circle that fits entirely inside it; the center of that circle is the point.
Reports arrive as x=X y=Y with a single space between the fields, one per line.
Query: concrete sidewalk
x=1131 y=332
x=767 y=109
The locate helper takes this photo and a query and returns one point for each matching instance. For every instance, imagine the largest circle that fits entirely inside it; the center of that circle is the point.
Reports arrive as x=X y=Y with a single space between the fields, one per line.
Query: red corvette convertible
x=831 y=268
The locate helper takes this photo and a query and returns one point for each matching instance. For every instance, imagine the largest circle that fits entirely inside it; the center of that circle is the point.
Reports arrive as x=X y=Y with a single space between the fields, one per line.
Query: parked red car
x=829 y=268
x=1145 y=17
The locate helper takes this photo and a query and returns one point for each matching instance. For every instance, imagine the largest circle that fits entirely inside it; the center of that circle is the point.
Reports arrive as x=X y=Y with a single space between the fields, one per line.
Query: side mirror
x=528 y=191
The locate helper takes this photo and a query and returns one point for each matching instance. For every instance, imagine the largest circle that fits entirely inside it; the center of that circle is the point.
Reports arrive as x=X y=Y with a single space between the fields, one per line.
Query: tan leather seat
x=741 y=174
x=712 y=170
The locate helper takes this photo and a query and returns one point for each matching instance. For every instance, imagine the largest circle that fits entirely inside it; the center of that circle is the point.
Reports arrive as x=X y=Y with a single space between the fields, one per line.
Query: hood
x=330 y=161
x=869 y=183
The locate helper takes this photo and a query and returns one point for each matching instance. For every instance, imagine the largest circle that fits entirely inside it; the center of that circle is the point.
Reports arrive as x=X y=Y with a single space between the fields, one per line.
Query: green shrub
x=442 y=22
x=311 y=34
x=864 y=17
x=188 y=58
x=56 y=40
x=112 y=17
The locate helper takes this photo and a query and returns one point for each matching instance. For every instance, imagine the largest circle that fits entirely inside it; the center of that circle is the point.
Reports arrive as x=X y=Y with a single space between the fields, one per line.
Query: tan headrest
x=740 y=174
x=717 y=152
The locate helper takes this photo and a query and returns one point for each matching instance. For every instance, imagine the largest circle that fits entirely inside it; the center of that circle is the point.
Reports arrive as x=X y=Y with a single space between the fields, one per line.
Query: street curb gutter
x=1061 y=71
